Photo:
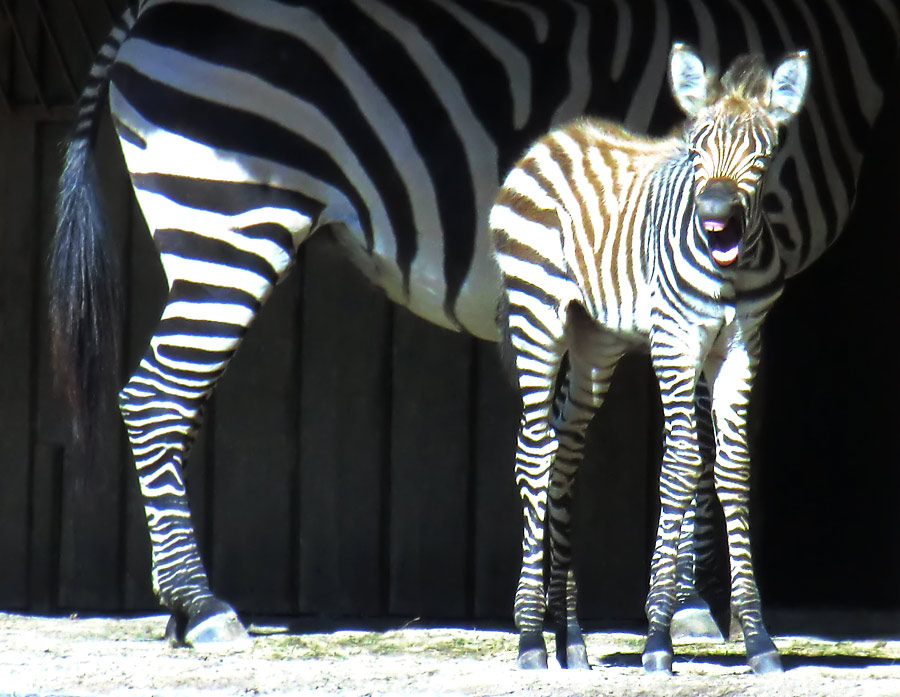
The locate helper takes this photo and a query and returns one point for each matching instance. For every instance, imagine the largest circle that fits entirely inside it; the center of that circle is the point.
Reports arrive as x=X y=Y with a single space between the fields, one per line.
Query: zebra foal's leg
x=593 y=357
x=535 y=449
x=218 y=277
x=731 y=399
x=533 y=334
x=678 y=480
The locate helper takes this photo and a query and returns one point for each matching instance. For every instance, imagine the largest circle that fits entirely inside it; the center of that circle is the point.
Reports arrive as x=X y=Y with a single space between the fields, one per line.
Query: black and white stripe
x=247 y=125
x=607 y=242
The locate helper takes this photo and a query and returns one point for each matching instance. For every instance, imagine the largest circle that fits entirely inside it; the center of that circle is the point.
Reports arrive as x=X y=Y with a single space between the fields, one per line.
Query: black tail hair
x=85 y=304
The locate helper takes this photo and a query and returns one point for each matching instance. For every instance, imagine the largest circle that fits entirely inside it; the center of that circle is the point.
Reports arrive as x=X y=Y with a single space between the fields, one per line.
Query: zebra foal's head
x=732 y=131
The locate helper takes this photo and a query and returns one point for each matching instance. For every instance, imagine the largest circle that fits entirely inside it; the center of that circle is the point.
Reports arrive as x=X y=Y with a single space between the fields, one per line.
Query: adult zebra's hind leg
x=160 y=406
x=703 y=599
x=702 y=602
x=219 y=276
x=593 y=356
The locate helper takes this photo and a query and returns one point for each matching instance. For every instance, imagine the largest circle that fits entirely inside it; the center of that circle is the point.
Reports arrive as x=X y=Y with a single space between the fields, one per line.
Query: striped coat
x=608 y=241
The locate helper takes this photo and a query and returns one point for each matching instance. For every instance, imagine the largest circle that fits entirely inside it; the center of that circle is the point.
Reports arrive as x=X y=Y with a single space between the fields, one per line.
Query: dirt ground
x=87 y=657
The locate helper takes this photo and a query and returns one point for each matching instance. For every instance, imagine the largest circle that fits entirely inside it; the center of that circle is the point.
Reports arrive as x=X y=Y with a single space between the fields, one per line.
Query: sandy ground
x=69 y=656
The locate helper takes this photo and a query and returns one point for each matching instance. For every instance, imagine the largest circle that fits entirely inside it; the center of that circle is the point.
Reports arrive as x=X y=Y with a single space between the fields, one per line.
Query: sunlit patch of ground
x=100 y=656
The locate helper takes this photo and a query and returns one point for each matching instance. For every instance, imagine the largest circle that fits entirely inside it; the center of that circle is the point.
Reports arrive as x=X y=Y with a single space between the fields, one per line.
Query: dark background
x=356 y=461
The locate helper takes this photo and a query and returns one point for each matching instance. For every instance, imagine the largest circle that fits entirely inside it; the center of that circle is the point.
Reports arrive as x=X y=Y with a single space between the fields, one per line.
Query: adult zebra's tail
x=83 y=274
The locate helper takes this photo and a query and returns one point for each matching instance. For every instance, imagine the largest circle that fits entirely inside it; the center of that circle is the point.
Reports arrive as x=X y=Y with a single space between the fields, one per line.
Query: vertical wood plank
x=46 y=527
x=430 y=467
x=23 y=89
x=18 y=290
x=611 y=517
x=65 y=56
x=344 y=422
x=498 y=532
x=255 y=462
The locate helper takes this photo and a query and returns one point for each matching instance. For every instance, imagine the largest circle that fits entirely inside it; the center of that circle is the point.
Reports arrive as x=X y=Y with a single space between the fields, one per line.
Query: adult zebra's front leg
x=218 y=278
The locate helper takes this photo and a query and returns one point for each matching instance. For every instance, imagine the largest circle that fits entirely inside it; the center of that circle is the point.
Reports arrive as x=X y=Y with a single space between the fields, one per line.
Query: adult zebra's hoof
x=570 y=649
x=219 y=625
x=223 y=628
x=766 y=663
x=532 y=651
x=695 y=623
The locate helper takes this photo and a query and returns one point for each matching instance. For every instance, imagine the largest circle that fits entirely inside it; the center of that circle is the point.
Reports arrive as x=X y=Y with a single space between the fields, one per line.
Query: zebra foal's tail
x=85 y=306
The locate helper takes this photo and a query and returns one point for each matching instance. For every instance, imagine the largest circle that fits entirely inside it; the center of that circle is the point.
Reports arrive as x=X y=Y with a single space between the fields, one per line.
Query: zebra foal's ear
x=688 y=79
x=789 y=87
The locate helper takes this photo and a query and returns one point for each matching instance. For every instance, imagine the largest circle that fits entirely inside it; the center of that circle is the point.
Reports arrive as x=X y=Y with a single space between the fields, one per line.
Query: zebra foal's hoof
x=577 y=658
x=176 y=628
x=762 y=656
x=570 y=649
x=766 y=663
x=532 y=651
x=532 y=660
x=657 y=656
x=658 y=662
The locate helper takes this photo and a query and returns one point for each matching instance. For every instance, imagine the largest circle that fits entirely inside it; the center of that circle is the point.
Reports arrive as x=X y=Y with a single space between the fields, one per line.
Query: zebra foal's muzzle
x=721 y=215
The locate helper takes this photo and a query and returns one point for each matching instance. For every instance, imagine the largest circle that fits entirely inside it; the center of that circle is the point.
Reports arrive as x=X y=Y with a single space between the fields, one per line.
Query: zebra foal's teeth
x=725 y=257
x=713 y=225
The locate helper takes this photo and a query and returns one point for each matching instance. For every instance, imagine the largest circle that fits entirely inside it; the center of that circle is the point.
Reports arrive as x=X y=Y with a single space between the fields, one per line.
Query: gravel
x=112 y=656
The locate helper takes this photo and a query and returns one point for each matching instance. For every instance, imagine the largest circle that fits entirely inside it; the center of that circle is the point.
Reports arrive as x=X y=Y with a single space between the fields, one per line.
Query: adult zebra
x=247 y=125
x=609 y=242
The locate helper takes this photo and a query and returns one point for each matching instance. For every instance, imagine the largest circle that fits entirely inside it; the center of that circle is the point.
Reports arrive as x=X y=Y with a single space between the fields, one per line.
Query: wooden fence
x=357 y=461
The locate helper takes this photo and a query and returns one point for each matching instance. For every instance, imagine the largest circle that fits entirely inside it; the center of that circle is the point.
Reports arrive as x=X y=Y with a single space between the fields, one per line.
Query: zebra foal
x=608 y=242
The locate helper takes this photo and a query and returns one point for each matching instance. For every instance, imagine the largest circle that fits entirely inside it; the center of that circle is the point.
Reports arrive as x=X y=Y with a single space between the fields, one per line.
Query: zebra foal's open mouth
x=720 y=214
x=724 y=239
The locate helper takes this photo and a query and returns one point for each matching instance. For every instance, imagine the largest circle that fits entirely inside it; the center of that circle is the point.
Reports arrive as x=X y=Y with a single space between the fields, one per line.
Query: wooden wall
x=357 y=461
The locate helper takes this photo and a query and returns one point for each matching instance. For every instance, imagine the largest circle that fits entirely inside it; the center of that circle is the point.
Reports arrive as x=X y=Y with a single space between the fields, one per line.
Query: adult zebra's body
x=247 y=125
x=609 y=242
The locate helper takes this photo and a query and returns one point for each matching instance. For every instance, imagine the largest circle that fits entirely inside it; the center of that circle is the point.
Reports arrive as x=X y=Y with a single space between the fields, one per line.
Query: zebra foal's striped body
x=607 y=242
x=589 y=232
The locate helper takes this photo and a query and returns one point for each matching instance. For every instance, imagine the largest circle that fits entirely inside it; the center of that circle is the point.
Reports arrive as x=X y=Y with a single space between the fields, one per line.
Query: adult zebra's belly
x=473 y=310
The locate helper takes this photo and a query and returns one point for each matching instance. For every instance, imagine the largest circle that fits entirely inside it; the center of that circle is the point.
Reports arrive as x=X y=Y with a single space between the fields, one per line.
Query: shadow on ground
x=789 y=660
